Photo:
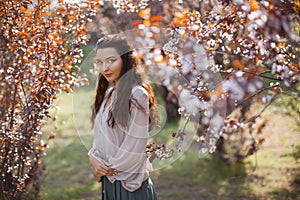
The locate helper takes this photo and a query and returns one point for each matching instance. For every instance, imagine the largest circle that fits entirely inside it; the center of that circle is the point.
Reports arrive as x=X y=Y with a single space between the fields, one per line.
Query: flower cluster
x=130 y=6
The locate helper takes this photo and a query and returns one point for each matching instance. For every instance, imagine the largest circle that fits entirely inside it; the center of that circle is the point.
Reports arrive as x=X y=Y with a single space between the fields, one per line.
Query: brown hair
x=131 y=74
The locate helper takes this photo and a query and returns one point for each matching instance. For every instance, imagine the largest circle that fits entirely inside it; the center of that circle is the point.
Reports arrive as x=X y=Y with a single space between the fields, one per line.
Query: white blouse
x=124 y=150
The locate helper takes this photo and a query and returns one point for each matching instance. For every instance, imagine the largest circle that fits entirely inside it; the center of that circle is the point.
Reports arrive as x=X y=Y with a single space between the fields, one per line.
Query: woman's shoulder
x=140 y=97
x=139 y=91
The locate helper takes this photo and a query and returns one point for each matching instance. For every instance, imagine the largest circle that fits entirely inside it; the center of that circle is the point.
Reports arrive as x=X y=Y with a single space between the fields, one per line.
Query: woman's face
x=109 y=63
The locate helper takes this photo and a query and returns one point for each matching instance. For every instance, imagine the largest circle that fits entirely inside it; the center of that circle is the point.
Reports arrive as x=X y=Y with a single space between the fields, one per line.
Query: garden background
x=228 y=72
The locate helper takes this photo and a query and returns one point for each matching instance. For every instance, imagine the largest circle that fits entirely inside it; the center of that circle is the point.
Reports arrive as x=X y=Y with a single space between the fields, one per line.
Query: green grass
x=68 y=175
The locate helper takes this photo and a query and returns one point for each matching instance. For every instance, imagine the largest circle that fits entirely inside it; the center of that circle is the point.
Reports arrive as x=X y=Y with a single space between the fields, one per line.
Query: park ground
x=272 y=173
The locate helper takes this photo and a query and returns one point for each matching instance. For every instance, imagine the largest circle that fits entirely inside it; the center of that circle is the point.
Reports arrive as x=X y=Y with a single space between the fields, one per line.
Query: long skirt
x=115 y=191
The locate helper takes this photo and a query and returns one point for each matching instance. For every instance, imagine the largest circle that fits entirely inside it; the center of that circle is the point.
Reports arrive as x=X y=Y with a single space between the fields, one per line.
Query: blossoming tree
x=40 y=47
x=230 y=55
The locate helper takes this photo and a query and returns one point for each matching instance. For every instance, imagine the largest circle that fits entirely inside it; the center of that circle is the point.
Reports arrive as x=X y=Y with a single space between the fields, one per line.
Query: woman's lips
x=107 y=75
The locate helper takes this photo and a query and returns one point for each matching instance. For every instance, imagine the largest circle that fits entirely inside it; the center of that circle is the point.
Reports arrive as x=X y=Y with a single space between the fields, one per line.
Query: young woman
x=121 y=116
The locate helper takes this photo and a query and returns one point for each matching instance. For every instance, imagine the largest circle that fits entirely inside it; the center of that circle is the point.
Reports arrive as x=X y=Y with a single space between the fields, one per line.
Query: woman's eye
x=98 y=62
x=111 y=60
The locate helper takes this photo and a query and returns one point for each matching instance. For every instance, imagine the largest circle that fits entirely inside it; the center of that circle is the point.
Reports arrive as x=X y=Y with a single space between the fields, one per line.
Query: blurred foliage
x=289 y=106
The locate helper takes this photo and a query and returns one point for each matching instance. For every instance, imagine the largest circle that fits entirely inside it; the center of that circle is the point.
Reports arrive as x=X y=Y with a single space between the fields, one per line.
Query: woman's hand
x=99 y=169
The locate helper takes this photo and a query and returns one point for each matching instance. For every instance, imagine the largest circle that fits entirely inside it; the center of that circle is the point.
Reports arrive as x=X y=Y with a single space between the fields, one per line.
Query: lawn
x=272 y=173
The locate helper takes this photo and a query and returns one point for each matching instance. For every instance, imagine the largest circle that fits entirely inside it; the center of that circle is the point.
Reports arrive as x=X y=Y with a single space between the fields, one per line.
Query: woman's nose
x=105 y=66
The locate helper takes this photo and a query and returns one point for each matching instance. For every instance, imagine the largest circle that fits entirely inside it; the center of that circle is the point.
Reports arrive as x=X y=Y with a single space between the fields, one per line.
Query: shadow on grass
x=287 y=194
x=296 y=186
x=193 y=178
x=294 y=192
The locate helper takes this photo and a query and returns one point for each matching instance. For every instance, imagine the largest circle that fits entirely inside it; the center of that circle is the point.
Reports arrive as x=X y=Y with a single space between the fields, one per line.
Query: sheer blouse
x=124 y=150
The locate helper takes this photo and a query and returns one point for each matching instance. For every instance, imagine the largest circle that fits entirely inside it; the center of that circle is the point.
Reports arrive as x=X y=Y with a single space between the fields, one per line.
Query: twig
x=23 y=89
x=253 y=95
x=13 y=107
x=251 y=119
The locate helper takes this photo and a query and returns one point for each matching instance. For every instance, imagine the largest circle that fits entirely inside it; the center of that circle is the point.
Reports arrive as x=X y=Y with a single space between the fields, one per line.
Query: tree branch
x=251 y=119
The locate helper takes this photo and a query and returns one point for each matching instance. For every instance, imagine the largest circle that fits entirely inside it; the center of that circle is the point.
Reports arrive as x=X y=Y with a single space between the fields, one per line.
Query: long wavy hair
x=131 y=74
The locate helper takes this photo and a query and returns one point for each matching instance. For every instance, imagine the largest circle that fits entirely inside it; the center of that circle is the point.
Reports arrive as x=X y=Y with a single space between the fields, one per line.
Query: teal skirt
x=115 y=191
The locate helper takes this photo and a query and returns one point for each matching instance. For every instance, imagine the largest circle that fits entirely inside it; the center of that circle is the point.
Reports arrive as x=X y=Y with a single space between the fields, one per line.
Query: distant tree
x=40 y=48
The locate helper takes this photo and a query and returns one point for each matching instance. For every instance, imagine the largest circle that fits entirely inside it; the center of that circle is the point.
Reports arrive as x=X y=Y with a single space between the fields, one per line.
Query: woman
x=121 y=116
